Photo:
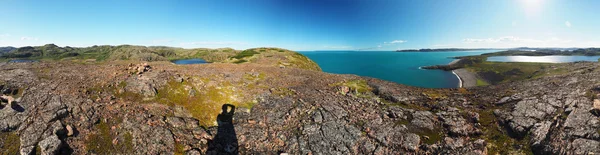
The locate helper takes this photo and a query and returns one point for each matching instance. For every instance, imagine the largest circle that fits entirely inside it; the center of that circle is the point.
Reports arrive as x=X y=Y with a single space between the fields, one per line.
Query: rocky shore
x=136 y=107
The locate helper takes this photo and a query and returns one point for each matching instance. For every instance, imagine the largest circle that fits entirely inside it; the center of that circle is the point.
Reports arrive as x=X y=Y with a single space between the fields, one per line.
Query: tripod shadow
x=225 y=142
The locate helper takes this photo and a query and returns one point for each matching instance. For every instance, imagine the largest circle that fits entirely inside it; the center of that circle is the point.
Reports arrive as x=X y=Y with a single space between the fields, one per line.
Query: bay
x=399 y=67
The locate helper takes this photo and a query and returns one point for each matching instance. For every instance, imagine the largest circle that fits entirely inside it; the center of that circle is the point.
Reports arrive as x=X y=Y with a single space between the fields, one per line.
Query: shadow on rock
x=17 y=107
x=225 y=142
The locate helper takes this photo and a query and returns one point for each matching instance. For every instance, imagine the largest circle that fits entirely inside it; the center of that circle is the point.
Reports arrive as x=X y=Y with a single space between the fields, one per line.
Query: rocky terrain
x=285 y=104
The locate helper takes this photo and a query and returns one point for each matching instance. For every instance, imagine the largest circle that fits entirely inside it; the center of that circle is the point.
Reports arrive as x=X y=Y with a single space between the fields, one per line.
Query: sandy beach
x=466 y=78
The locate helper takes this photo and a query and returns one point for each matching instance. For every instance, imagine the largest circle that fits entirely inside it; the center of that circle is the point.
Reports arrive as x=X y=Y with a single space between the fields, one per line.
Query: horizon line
x=466 y=48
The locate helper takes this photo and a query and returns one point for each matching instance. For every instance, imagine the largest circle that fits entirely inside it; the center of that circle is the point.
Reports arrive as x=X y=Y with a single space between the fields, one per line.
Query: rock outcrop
x=66 y=108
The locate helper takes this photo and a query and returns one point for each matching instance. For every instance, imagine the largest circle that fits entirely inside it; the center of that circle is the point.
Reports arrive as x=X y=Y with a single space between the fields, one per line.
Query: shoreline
x=454 y=62
x=460 y=82
x=466 y=78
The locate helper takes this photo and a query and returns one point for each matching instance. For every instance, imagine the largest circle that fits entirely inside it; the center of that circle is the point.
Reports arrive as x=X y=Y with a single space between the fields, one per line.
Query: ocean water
x=189 y=61
x=399 y=67
x=543 y=59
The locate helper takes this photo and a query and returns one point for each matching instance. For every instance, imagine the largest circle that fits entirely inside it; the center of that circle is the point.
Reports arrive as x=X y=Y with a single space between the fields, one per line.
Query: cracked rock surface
x=67 y=108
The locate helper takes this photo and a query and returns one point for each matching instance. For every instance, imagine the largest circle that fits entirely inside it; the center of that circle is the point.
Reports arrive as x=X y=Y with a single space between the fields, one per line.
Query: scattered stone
x=596 y=108
x=51 y=145
x=70 y=131
x=8 y=99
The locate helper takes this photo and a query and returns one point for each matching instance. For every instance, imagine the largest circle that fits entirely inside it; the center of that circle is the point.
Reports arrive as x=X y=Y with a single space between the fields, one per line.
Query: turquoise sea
x=399 y=67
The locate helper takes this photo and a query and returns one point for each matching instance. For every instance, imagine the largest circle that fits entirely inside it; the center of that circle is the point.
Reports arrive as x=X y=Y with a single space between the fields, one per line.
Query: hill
x=6 y=49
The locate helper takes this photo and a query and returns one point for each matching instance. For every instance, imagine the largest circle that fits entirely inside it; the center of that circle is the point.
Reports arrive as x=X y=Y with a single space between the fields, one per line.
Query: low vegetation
x=203 y=104
x=355 y=86
x=122 y=52
x=9 y=143
x=106 y=142
x=245 y=53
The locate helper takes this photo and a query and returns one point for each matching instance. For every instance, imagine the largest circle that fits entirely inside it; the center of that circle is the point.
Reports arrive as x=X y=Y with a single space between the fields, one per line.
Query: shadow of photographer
x=225 y=142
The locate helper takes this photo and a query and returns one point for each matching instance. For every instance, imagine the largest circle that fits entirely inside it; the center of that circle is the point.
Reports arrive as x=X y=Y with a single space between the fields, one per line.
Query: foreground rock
x=65 y=108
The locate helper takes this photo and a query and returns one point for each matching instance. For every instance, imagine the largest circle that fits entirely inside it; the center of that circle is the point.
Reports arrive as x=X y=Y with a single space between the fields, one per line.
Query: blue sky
x=302 y=24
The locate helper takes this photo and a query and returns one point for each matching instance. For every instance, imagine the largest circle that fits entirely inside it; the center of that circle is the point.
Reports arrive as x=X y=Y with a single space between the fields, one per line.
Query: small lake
x=189 y=61
x=22 y=61
x=543 y=59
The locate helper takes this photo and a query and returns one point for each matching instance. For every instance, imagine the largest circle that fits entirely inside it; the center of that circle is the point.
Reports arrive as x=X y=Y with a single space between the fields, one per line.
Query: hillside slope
x=128 y=107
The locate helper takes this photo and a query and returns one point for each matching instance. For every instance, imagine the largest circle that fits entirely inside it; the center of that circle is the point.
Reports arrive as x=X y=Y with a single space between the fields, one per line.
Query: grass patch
x=282 y=92
x=435 y=94
x=501 y=72
x=101 y=142
x=9 y=143
x=179 y=149
x=499 y=141
x=356 y=86
x=240 y=61
x=300 y=61
x=245 y=53
x=205 y=105
x=481 y=83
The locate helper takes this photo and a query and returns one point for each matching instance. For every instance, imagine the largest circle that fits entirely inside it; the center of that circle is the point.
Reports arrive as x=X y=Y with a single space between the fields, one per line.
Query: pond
x=22 y=61
x=189 y=61
x=543 y=59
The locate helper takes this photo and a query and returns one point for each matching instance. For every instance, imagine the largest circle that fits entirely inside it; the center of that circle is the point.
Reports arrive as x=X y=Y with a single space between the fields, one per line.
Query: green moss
x=179 y=149
x=101 y=141
x=240 y=61
x=245 y=53
x=357 y=86
x=122 y=84
x=429 y=136
x=481 y=83
x=251 y=77
x=591 y=95
x=402 y=122
x=38 y=150
x=205 y=105
x=435 y=94
x=501 y=72
x=282 y=92
x=9 y=143
x=499 y=141
x=300 y=61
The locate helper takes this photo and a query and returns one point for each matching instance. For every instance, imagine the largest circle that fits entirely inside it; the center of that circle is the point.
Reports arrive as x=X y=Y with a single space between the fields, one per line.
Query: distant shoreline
x=444 y=49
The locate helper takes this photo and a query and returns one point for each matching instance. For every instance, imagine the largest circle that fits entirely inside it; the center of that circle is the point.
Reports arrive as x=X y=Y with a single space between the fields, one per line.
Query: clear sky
x=302 y=24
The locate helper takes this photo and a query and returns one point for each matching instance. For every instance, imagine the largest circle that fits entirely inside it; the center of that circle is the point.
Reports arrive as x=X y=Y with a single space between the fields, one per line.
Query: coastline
x=460 y=82
x=454 y=62
x=466 y=78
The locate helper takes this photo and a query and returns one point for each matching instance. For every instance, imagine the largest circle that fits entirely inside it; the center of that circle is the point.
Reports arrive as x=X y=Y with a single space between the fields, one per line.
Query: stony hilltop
x=283 y=104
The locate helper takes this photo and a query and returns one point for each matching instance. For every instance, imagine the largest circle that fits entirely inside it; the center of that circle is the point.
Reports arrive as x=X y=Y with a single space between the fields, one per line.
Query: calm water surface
x=399 y=67
x=189 y=61
x=544 y=59
x=22 y=61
